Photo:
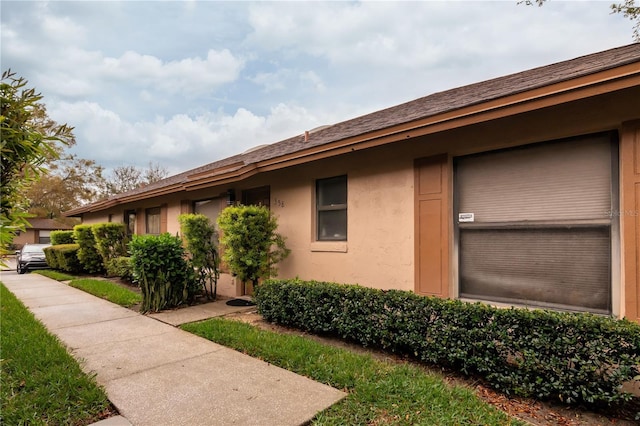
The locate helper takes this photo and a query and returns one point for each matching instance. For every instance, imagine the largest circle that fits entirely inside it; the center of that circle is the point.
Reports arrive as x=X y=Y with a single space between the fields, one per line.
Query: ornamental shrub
x=63 y=257
x=120 y=267
x=160 y=269
x=252 y=248
x=88 y=255
x=201 y=241
x=50 y=257
x=62 y=237
x=111 y=240
x=576 y=358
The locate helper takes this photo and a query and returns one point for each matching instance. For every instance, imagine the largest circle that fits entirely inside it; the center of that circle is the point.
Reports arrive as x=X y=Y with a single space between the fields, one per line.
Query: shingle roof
x=47 y=224
x=431 y=105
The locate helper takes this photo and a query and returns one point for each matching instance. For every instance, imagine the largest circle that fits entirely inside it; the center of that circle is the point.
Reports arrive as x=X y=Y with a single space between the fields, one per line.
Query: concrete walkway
x=156 y=374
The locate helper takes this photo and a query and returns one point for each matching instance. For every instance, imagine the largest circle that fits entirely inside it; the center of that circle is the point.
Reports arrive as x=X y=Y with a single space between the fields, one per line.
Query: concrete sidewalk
x=156 y=374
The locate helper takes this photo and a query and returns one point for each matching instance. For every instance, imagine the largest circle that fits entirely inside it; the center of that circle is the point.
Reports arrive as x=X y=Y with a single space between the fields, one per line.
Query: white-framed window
x=331 y=209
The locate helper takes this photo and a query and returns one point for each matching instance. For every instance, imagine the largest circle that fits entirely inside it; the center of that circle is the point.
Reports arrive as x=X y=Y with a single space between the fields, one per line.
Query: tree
x=128 y=178
x=29 y=139
x=628 y=9
x=252 y=248
x=70 y=181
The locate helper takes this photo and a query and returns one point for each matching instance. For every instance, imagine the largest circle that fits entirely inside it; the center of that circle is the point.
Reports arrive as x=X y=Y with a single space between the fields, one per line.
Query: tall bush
x=252 y=247
x=88 y=255
x=62 y=237
x=162 y=272
x=201 y=241
x=111 y=240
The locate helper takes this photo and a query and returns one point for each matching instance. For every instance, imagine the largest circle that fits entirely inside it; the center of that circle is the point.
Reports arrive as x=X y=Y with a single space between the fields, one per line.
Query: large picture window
x=153 y=221
x=331 y=209
x=535 y=224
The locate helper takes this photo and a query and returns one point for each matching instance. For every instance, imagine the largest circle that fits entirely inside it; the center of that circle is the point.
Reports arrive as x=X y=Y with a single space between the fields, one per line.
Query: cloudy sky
x=184 y=83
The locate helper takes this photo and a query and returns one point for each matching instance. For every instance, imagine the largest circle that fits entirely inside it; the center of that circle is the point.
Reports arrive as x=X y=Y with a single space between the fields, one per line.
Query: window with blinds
x=541 y=225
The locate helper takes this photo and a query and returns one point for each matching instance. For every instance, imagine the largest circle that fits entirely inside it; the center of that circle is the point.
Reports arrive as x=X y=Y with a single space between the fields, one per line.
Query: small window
x=130 y=221
x=153 y=221
x=331 y=209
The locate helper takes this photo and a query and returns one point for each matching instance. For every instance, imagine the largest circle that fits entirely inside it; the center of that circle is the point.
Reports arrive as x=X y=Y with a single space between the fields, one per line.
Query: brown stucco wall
x=380 y=251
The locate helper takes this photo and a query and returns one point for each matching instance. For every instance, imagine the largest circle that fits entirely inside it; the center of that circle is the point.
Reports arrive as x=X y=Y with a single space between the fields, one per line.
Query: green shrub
x=62 y=237
x=111 y=240
x=160 y=269
x=120 y=267
x=252 y=248
x=63 y=257
x=576 y=358
x=50 y=257
x=200 y=237
x=88 y=255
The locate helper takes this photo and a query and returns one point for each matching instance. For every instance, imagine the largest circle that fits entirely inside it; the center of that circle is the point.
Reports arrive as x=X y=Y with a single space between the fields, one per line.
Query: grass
x=108 y=290
x=378 y=392
x=55 y=275
x=40 y=383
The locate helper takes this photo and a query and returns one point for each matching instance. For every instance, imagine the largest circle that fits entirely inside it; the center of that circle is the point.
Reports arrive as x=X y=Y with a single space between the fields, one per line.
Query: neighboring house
x=39 y=232
x=522 y=190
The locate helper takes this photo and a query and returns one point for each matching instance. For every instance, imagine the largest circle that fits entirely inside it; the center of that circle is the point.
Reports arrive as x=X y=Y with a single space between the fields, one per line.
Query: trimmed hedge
x=120 y=267
x=88 y=255
x=63 y=257
x=575 y=358
x=62 y=237
x=110 y=240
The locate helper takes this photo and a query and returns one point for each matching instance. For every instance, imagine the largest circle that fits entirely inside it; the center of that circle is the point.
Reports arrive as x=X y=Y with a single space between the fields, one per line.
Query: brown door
x=432 y=226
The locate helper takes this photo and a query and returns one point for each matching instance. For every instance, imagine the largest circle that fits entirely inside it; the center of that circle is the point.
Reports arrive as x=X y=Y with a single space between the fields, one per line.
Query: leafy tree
x=69 y=182
x=200 y=237
x=29 y=139
x=252 y=248
x=628 y=9
x=128 y=178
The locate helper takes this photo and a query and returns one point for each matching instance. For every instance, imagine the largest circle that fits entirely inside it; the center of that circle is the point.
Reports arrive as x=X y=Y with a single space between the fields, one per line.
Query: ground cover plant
x=40 y=383
x=570 y=358
x=107 y=290
x=379 y=392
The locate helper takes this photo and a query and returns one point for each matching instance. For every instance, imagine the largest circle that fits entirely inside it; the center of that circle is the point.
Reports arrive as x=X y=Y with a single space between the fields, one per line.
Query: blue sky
x=186 y=83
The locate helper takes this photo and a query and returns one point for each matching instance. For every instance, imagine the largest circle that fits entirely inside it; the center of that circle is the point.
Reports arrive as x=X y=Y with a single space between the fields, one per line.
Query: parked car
x=31 y=257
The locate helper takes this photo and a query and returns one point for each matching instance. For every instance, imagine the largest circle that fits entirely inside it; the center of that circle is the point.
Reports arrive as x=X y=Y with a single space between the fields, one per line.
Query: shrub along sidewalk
x=569 y=358
x=40 y=383
x=379 y=392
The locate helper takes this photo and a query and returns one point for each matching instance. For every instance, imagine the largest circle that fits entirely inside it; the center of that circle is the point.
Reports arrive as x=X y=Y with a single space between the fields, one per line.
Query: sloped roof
x=47 y=224
x=433 y=105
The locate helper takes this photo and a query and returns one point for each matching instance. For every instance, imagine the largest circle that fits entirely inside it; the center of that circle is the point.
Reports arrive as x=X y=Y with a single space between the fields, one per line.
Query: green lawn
x=108 y=290
x=55 y=275
x=379 y=392
x=40 y=383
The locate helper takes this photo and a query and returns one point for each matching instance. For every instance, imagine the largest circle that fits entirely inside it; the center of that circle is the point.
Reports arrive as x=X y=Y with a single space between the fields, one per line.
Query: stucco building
x=522 y=190
x=39 y=231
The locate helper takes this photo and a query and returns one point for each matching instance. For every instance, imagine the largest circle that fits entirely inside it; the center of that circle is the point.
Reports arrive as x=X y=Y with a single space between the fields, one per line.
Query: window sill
x=329 y=246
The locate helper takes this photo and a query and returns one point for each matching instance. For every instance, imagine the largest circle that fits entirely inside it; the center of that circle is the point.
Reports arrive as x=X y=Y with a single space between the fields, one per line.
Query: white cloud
x=190 y=75
x=183 y=84
x=180 y=142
